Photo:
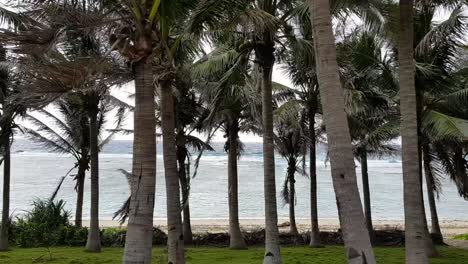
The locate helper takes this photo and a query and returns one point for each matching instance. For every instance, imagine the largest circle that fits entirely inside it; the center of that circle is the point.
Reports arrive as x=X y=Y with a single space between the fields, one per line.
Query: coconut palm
x=233 y=107
x=414 y=226
x=370 y=90
x=9 y=110
x=437 y=66
x=72 y=135
x=356 y=238
x=300 y=66
x=256 y=25
x=290 y=143
x=189 y=116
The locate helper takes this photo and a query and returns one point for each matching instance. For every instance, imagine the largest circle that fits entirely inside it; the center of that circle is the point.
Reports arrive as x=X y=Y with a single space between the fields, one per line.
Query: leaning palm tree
x=290 y=142
x=356 y=238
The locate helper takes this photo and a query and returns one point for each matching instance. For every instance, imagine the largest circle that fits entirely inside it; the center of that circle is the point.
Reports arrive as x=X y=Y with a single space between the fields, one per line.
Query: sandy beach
x=449 y=228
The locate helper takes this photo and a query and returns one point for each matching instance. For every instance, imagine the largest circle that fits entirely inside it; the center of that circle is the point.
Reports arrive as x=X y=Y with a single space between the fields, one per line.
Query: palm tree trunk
x=236 y=240
x=355 y=235
x=187 y=226
x=414 y=234
x=175 y=241
x=266 y=59
x=6 y=199
x=94 y=240
x=431 y=251
x=366 y=191
x=138 y=241
x=292 y=199
x=314 y=232
x=435 y=226
x=80 y=180
x=184 y=185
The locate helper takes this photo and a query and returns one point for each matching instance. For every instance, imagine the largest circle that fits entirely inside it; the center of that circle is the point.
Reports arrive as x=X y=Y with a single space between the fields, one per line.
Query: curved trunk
x=80 y=180
x=414 y=226
x=185 y=186
x=236 y=240
x=367 y=199
x=272 y=246
x=138 y=241
x=6 y=199
x=355 y=235
x=175 y=242
x=314 y=231
x=93 y=244
x=292 y=200
x=435 y=227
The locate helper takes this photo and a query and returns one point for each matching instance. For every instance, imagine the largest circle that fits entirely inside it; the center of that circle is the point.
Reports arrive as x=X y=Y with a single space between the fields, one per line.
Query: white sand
x=213 y=225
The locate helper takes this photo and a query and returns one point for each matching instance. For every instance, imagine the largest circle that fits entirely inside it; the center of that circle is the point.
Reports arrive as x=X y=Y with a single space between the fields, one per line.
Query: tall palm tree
x=257 y=24
x=370 y=90
x=147 y=43
x=6 y=126
x=232 y=104
x=74 y=141
x=290 y=143
x=11 y=108
x=414 y=227
x=357 y=242
x=190 y=113
x=300 y=66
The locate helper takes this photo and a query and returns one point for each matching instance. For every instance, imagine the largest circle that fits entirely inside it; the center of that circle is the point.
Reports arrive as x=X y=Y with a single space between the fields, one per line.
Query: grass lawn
x=461 y=237
x=204 y=255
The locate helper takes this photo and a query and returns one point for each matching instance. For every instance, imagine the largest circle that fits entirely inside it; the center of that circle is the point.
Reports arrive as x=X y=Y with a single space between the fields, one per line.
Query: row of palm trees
x=354 y=91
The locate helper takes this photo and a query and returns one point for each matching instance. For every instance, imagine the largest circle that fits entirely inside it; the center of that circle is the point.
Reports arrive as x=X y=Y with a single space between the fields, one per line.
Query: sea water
x=35 y=174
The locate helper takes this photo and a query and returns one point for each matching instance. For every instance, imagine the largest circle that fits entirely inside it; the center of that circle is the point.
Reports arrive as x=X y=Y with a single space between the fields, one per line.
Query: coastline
x=449 y=228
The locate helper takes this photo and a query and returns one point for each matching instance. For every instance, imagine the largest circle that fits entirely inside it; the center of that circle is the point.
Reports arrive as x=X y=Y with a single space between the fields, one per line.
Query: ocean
x=35 y=174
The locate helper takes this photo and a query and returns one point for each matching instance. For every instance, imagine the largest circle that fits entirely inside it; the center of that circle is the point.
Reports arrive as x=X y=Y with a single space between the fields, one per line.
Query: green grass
x=461 y=237
x=204 y=255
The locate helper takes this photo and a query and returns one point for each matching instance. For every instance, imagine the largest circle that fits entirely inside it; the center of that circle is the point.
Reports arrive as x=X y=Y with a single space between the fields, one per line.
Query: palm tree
x=436 y=69
x=6 y=133
x=11 y=108
x=151 y=49
x=256 y=26
x=300 y=66
x=414 y=227
x=227 y=87
x=75 y=142
x=370 y=90
x=290 y=143
x=190 y=114
x=357 y=242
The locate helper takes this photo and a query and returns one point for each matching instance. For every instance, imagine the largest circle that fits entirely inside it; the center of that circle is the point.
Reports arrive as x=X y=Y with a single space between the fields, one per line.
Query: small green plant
x=461 y=237
x=44 y=225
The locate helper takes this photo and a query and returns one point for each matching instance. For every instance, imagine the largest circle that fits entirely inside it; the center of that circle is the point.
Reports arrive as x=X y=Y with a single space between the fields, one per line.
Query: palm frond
x=440 y=126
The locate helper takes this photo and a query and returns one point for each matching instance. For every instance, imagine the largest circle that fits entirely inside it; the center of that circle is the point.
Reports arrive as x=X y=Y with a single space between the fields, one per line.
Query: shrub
x=113 y=237
x=72 y=236
x=44 y=225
